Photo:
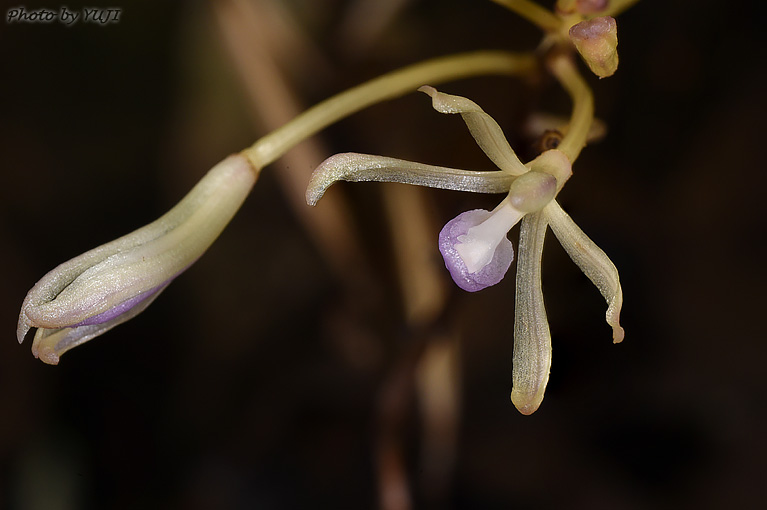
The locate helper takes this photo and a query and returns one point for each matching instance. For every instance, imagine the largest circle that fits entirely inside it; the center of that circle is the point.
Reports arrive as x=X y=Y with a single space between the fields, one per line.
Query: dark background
x=259 y=379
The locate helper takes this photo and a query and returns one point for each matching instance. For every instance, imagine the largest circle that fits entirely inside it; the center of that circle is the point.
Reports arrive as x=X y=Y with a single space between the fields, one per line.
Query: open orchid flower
x=475 y=247
x=106 y=286
x=474 y=244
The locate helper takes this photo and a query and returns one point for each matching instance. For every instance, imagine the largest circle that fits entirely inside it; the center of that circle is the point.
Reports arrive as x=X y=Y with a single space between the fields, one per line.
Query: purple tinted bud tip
x=123 y=307
x=489 y=275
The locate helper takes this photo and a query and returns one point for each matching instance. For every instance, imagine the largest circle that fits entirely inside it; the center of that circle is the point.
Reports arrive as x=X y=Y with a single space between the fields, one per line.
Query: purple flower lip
x=489 y=275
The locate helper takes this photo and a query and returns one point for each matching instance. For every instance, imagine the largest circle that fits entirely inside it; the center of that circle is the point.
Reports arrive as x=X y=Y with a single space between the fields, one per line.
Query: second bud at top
x=597 y=42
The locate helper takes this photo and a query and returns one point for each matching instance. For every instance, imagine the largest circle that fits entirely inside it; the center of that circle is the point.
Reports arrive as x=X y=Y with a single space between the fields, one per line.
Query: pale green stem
x=615 y=7
x=582 y=116
x=566 y=5
x=534 y=13
x=389 y=86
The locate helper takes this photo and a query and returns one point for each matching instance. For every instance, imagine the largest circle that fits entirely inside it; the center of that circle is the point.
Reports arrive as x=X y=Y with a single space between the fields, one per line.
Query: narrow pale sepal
x=492 y=273
x=355 y=167
x=103 y=287
x=483 y=128
x=532 y=338
x=594 y=263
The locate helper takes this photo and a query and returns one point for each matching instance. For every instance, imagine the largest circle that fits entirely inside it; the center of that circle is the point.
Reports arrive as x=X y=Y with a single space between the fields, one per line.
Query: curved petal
x=532 y=338
x=592 y=261
x=482 y=126
x=355 y=167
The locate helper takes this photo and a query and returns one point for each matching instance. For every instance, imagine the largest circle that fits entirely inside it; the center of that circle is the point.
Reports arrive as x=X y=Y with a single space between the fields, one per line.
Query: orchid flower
x=474 y=244
x=106 y=286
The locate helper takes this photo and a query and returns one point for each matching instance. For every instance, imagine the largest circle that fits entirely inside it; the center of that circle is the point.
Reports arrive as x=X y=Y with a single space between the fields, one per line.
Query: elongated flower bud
x=106 y=286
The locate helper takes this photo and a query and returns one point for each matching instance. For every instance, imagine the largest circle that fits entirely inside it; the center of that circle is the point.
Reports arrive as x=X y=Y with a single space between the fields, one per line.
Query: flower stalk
x=388 y=86
x=564 y=70
x=534 y=13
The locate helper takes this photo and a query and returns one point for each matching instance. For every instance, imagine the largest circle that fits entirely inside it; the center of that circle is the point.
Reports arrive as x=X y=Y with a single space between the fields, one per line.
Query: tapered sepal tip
x=594 y=263
x=355 y=167
x=427 y=89
x=526 y=402
x=23 y=328
x=47 y=355
x=613 y=314
x=483 y=128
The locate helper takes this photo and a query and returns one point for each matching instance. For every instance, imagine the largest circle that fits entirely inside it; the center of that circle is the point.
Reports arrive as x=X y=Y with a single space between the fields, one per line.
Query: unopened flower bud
x=597 y=42
x=94 y=292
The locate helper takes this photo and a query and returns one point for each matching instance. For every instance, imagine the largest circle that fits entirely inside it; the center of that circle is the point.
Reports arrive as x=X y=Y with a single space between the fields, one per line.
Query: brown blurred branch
x=245 y=29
